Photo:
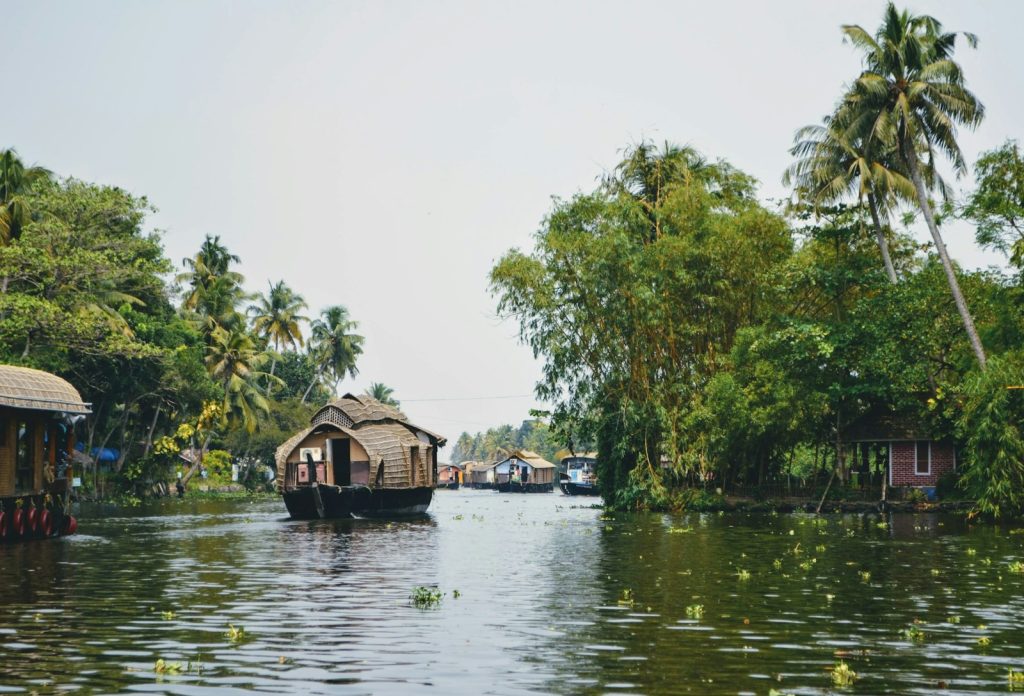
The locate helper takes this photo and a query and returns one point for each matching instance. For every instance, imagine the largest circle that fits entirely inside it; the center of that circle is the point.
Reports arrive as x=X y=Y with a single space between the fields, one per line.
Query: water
x=541 y=579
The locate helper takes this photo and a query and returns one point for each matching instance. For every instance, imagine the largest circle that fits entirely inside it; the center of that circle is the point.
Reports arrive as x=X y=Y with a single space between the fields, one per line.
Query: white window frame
x=917 y=472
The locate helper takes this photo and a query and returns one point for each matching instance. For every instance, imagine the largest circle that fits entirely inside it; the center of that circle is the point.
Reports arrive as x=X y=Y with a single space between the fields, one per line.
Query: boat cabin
x=524 y=471
x=38 y=411
x=480 y=474
x=449 y=474
x=581 y=469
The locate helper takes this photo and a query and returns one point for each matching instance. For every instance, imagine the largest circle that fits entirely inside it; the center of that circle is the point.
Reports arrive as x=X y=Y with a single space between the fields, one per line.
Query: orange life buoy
x=17 y=523
x=70 y=524
x=45 y=522
x=30 y=519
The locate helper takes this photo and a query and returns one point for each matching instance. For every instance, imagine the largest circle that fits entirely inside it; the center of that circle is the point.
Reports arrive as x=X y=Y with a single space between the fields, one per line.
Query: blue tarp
x=106 y=454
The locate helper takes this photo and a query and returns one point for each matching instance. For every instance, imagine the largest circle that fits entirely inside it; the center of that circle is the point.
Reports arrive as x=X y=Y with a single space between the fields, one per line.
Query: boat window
x=24 y=471
x=923 y=458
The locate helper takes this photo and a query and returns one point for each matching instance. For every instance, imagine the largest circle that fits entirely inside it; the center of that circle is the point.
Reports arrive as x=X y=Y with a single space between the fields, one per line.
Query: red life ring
x=31 y=515
x=17 y=523
x=70 y=524
x=3 y=524
x=45 y=522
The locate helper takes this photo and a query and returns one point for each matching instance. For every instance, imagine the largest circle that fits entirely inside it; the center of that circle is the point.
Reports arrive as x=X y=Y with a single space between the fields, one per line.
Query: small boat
x=524 y=471
x=580 y=477
x=358 y=458
x=449 y=476
x=38 y=412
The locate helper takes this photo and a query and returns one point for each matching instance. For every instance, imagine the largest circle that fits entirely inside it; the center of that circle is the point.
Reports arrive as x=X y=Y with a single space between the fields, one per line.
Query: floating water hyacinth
x=842 y=675
x=163 y=667
x=235 y=633
x=695 y=611
x=777 y=564
x=167 y=615
x=913 y=633
x=627 y=598
x=865 y=575
x=1015 y=678
x=425 y=597
x=743 y=574
x=1017 y=567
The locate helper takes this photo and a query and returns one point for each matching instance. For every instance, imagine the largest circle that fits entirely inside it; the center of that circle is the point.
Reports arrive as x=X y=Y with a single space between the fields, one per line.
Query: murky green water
x=325 y=607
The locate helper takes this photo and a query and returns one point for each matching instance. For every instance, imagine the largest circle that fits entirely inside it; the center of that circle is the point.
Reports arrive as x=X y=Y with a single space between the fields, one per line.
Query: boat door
x=341 y=455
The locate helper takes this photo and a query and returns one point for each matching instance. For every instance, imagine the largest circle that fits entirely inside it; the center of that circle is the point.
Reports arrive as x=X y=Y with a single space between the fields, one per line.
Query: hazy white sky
x=382 y=155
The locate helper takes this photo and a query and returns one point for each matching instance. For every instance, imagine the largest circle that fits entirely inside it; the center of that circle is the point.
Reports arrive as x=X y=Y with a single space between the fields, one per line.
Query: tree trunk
x=152 y=429
x=319 y=375
x=883 y=243
x=947 y=265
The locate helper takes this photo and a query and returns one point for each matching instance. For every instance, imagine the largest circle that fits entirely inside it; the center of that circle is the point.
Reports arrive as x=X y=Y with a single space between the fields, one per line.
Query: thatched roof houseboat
x=37 y=437
x=480 y=474
x=524 y=471
x=358 y=457
x=450 y=476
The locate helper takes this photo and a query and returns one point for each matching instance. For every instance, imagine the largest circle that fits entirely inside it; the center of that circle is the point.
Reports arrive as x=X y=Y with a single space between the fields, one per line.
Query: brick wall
x=903 y=463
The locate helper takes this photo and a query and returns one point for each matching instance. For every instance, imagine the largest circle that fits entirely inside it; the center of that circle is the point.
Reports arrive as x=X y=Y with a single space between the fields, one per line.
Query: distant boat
x=524 y=471
x=449 y=476
x=580 y=477
x=361 y=458
x=38 y=412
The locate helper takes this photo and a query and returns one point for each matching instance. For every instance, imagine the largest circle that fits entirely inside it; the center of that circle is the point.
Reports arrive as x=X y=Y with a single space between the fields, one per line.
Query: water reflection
x=554 y=597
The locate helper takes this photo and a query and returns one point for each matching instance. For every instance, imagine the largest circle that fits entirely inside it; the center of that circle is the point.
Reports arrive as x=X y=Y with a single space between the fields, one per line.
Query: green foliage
x=496 y=443
x=425 y=597
x=996 y=206
x=991 y=428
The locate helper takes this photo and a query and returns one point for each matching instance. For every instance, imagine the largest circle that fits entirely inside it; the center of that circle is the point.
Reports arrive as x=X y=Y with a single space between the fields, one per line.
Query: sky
x=383 y=155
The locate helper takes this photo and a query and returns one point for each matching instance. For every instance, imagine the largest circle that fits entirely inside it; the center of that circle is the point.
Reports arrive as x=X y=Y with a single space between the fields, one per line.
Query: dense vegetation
x=496 y=443
x=702 y=338
x=187 y=363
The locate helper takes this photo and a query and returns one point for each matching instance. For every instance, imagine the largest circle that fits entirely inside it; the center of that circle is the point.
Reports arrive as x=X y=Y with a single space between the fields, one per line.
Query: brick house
x=912 y=457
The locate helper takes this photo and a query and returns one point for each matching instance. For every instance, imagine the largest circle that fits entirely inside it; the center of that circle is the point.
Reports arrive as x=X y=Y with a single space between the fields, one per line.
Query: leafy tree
x=996 y=205
x=16 y=181
x=334 y=346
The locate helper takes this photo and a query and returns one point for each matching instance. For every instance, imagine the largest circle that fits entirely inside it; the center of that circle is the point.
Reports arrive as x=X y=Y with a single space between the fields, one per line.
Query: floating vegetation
x=695 y=611
x=913 y=633
x=882 y=525
x=167 y=615
x=777 y=564
x=1017 y=567
x=164 y=667
x=1015 y=678
x=808 y=565
x=842 y=675
x=865 y=575
x=936 y=572
x=743 y=574
x=627 y=599
x=680 y=530
x=425 y=597
x=953 y=619
x=984 y=641
x=458 y=517
x=235 y=633
x=820 y=548
x=971 y=551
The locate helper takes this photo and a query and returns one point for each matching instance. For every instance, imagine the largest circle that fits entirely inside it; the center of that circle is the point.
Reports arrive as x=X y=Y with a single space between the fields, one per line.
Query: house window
x=24 y=477
x=924 y=459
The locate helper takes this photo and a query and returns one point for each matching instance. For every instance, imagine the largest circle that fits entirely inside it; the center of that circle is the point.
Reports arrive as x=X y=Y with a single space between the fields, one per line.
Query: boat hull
x=34 y=519
x=321 y=501
x=570 y=488
x=510 y=487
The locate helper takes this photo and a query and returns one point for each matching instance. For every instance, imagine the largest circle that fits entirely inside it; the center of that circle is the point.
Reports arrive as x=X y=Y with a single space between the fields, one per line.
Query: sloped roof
x=531 y=458
x=23 y=387
x=358 y=410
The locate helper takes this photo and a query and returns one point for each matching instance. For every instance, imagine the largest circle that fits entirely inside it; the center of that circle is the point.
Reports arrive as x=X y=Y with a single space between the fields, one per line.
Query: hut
x=450 y=476
x=524 y=471
x=38 y=411
x=480 y=474
x=358 y=457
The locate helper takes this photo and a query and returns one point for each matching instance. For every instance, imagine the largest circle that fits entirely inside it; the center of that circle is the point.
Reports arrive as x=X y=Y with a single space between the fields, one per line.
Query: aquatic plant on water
x=695 y=611
x=1017 y=567
x=842 y=675
x=743 y=575
x=235 y=633
x=865 y=575
x=1015 y=678
x=164 y=667
x=627 y=598
x=913 y=633
x=167 y=615
x=425 y=597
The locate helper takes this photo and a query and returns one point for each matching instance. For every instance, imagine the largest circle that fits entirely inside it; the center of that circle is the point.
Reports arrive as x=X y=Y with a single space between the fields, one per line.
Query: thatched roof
x=23 y=387
x=352 y=411
x=531 y=458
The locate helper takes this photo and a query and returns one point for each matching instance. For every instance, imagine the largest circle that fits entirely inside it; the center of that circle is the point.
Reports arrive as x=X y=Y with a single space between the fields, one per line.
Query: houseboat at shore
x=580 y=475
x=524 y=472
x=359 y=457
x=38 y=411
x=449 y=476
x=480 y=475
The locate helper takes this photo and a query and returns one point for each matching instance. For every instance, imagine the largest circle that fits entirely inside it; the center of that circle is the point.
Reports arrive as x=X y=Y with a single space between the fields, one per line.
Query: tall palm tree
x=214 y=290
x=911 y=97
x=234 y=359
x=16 y=180
x=333 y=345
x=383 y=393
x=276 y=316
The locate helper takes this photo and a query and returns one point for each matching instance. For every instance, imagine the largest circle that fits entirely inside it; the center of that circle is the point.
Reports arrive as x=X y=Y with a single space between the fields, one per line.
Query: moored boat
x=38 y=411
x=580 y=477
x=524 y=472
x=360 y=458
x=450 y=476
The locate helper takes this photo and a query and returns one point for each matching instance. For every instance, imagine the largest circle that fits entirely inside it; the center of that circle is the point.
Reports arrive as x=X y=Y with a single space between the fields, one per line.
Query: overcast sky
x=382 y=155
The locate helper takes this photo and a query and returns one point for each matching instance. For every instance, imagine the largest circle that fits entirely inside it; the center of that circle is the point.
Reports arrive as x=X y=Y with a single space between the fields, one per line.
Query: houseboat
x=38 y=411
x=524 y=472
x=449 y=476
x=580 y=477
x=480 y=474
x=359 y=457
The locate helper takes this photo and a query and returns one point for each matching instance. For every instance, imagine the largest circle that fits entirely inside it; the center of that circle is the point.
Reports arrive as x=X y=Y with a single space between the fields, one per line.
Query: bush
x=948 y=486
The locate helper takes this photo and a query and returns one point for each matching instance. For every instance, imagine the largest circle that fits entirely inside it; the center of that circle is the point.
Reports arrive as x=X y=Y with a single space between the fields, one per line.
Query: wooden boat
x=524 y=472
x=449 y=476
x=580 y=477
x=480 y=474
x=38 y=411
x=359 y=458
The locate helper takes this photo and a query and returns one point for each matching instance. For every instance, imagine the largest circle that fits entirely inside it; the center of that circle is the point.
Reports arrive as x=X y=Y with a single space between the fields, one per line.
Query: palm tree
x=15 y=182
x=215 y=291
x=383 y=393
x=910 y=97
x=276 y=318
x=234 y=359
x=333 y=345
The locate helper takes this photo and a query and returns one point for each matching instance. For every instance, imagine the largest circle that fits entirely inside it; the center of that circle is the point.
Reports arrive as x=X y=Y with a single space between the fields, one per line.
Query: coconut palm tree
x=333 y=345
x=383 y=393
x=15 y=210
x=276 y=316
x=234 y=359
x=911 y=97
x=214 y=290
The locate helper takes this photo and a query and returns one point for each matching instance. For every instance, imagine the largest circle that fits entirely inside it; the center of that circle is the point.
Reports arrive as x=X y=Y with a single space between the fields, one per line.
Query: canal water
x=541 y=594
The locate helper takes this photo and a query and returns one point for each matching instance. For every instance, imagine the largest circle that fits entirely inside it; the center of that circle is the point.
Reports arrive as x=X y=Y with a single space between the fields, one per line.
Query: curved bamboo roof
x=23 y=387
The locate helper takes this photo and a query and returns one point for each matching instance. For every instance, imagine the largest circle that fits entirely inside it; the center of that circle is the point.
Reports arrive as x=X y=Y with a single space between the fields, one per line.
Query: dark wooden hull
x=481 y=486
x=452 y=486
x=320 y=501
x=570 y=488
x=31 y=523
x=510 y=487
